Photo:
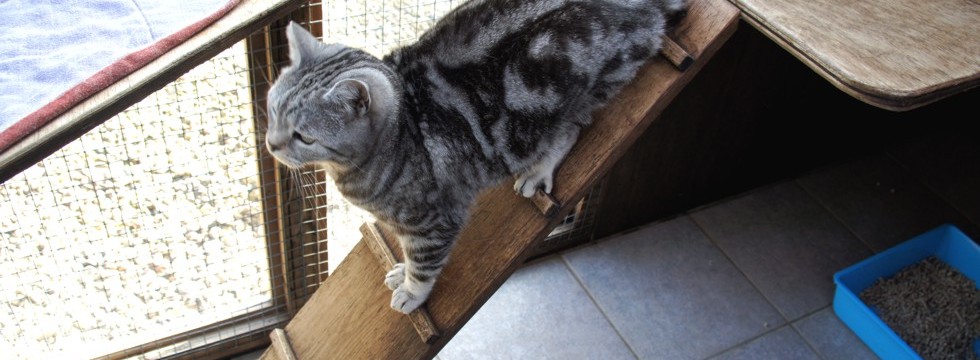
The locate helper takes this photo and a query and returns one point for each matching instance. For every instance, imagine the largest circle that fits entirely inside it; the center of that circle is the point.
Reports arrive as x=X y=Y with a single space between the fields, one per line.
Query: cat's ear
x=302 y=44
x=353 y=95
x=365 y=93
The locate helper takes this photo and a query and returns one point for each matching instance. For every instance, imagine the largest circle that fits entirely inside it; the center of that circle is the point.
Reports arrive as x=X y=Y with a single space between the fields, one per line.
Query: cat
x=496 y=88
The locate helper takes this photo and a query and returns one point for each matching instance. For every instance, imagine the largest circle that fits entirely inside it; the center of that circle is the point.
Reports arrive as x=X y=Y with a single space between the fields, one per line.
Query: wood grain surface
x=380 y=243
x=247 y=17
x=894 y=54
x=349 y=318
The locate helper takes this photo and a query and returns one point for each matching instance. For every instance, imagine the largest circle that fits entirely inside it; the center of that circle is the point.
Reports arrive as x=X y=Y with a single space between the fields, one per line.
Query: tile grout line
x=770 y=331
x=833 y=215
x=932 y=190
x=805 y=339
x=737 y=268
x=602 y=311
x=746 y=341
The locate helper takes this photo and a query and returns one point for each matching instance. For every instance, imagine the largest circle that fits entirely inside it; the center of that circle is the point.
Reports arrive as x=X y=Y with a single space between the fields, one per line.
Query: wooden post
x=349 y=316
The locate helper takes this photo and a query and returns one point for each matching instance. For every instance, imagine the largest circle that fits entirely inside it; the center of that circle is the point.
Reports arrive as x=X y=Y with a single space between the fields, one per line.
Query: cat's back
x=495 y=83
x=496 y=30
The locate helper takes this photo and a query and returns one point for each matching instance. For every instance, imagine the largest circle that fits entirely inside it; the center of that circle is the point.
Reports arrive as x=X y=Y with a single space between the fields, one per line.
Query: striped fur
x=495 y=89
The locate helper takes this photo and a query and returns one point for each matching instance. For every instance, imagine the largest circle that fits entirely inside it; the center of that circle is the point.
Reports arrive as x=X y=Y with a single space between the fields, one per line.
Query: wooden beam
x=247 y=17
x=349 y=316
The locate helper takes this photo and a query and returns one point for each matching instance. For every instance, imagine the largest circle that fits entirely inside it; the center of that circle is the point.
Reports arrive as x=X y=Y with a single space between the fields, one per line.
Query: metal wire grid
x=297 y=241
x=154 y=228
x=576 y=228
x=147 y=227
x=378 y=27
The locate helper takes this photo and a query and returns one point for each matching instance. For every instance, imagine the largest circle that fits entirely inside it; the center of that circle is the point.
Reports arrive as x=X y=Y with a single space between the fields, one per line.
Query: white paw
x=526 y=185
x=404 y=301
x=395 y=277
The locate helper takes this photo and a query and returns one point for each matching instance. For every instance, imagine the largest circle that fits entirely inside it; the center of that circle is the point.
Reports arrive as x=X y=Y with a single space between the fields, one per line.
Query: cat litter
x=931 y=306
x=918 y=300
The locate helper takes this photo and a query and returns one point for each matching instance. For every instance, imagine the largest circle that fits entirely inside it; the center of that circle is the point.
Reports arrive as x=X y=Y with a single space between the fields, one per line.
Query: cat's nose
x=276 y=139
x=273 y=147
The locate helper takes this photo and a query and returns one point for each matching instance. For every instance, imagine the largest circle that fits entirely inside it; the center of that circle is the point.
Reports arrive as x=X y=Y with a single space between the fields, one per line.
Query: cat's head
x=331 y=105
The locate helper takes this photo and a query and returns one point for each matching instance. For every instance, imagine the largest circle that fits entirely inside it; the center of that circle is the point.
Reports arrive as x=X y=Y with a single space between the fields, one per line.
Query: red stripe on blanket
x=105 y=77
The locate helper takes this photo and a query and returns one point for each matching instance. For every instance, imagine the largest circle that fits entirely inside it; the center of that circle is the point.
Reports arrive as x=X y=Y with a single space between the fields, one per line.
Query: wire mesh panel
x=147 y=227
x=377 y=27
x=169 y=230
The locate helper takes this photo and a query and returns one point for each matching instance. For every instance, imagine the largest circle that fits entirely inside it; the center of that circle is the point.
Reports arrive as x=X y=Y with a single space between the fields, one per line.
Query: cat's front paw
x=395 y=277
x=526 y=185
x=405 y=301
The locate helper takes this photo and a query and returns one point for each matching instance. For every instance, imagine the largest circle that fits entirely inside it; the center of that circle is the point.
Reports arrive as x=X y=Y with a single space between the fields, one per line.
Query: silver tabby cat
x=496 y=88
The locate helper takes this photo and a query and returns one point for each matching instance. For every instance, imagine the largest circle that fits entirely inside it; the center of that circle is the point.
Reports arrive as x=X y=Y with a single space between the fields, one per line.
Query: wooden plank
x=377 y=242
x=894 y=54
x=247 y=17
x=349 y=317
x=704 y=146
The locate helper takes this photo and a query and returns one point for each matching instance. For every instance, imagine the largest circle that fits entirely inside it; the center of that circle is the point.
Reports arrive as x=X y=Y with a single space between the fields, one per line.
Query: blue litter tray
x=946 y=242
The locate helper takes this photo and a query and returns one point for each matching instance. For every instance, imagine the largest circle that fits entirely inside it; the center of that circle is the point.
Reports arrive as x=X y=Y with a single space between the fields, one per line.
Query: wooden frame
x=907 y=55
x=283 y=228
x=298 y=234
x=349 y=316
x=244 y=19
x=286 y=226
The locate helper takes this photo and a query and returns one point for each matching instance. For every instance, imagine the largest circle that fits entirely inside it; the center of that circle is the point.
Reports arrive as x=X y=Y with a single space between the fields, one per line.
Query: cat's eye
x=303 y=138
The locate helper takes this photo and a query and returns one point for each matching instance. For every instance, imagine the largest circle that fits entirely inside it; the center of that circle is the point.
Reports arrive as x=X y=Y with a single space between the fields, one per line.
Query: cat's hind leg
x=541 y=175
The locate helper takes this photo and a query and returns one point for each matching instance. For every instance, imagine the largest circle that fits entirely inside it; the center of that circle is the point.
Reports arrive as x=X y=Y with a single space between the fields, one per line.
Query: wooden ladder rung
x=503 y=228
x=676 y=54
x=546 y=203
x=375 y=240
x=280 y=345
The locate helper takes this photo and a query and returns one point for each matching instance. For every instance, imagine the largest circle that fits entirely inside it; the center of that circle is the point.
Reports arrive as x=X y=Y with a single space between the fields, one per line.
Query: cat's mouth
x=290 y=163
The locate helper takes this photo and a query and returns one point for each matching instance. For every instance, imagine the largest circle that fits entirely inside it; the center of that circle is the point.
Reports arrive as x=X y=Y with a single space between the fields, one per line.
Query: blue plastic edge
x=946 y=242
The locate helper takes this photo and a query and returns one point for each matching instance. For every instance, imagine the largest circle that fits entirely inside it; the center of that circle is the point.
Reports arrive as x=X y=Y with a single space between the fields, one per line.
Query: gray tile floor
x=746 y=278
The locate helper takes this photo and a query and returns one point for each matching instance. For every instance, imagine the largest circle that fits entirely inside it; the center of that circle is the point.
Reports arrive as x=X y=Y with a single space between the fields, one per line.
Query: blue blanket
x=48 y=46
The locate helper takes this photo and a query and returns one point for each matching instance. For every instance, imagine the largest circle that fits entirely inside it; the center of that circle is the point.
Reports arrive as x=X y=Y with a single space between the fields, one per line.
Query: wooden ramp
x=349 y=318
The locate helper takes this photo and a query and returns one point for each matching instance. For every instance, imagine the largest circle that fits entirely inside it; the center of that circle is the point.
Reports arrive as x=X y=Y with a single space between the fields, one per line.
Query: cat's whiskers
x=356 y=166
x=275 y=69
x=260 y=106
x=311 y=187
x=299 y=181
x=533 y=94
x=306 y=181
x=296 y=189
x=275 y=73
